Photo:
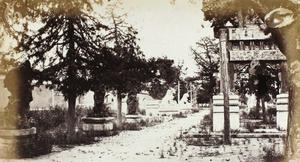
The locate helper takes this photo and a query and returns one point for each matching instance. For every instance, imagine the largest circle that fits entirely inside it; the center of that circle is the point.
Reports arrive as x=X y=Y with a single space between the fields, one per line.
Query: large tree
x=206 y=55
x=61 y=50
x=130 y=69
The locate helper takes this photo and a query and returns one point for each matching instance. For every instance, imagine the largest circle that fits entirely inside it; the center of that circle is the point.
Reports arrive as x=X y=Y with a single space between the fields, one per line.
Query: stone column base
x=218 y=112
x=15 y=143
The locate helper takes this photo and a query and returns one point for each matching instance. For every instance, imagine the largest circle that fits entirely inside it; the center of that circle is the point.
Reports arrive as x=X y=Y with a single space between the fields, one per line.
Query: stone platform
x=132 y=122
x=98 y=125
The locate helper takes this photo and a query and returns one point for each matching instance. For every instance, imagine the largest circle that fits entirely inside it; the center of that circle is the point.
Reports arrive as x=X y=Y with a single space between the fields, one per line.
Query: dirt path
x=149 y=144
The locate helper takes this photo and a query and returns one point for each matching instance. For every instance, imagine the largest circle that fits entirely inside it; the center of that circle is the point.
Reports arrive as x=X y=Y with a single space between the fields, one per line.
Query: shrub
x=47 y=119
x=40 y=144
x=180 y=115
x=271 y=114
x=253 y=114
x=52 y=130
x=143 y=111
x=206 y=123
x=273 y=156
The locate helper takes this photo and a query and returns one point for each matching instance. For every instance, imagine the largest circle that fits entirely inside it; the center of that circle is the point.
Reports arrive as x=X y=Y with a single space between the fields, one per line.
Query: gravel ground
x=160 y=143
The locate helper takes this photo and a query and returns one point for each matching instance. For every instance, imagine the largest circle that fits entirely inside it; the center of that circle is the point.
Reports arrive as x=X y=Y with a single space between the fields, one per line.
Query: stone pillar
x=282 y=111
x=218 y=112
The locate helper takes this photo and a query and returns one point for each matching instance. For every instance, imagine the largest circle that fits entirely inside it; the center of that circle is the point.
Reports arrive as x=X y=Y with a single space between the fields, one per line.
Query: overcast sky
x=166 y=29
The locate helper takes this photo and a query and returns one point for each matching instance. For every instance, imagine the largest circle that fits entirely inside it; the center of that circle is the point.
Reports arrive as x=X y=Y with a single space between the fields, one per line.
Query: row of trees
x=74 y=52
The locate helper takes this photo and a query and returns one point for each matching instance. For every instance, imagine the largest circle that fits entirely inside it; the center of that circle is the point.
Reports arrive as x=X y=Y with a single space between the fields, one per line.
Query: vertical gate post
x=225 y=82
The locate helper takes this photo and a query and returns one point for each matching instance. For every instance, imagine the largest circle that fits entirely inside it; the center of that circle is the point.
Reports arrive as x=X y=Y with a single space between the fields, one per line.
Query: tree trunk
x=99 y=94
x=71 y=90
x=119 y=113
x=263 y=109
x=71 y=118
x=211 y=112
x=257 y=107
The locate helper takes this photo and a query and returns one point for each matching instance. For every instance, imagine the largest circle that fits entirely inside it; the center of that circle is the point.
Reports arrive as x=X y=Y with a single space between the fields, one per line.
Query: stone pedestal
x=15 y=143
x=218 y=112
x=152 y=108
x=132 y=122
x=98 y=126
x=282 y=111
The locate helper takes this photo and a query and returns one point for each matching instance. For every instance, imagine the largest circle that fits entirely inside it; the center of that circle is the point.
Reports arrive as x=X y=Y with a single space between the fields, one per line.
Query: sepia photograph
x=149 y=80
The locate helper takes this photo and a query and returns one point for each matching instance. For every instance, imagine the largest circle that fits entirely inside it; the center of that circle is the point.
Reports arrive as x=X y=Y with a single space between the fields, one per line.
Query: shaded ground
x=161 y=143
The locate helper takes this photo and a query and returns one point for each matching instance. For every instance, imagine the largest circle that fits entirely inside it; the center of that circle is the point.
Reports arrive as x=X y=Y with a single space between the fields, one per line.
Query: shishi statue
x=18 y=82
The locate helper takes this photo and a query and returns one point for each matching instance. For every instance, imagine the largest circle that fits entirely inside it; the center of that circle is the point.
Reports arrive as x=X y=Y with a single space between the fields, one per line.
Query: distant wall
x=87 y=100
x=44 y=98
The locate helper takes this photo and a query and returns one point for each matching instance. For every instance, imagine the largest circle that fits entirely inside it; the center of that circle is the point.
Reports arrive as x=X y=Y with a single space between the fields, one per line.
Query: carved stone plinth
x=98 y=125
x=15 y=143
x=282 y=111
x=218 y=112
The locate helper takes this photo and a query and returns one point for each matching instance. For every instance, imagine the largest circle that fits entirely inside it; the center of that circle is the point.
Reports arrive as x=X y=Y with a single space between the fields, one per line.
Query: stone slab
x=97 y=127
x=99 y=120
x=17 y=132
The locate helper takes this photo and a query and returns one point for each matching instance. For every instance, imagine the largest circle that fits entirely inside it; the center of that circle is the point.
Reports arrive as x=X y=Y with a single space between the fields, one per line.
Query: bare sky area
x=167 y=29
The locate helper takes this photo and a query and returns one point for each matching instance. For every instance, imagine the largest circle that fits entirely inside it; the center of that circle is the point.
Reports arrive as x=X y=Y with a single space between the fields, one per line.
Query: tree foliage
x=164 y=75
x=62 y=50
x=206 y=55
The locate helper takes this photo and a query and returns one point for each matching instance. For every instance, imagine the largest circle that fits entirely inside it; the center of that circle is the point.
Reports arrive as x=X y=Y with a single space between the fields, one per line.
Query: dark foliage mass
x=165 y=75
